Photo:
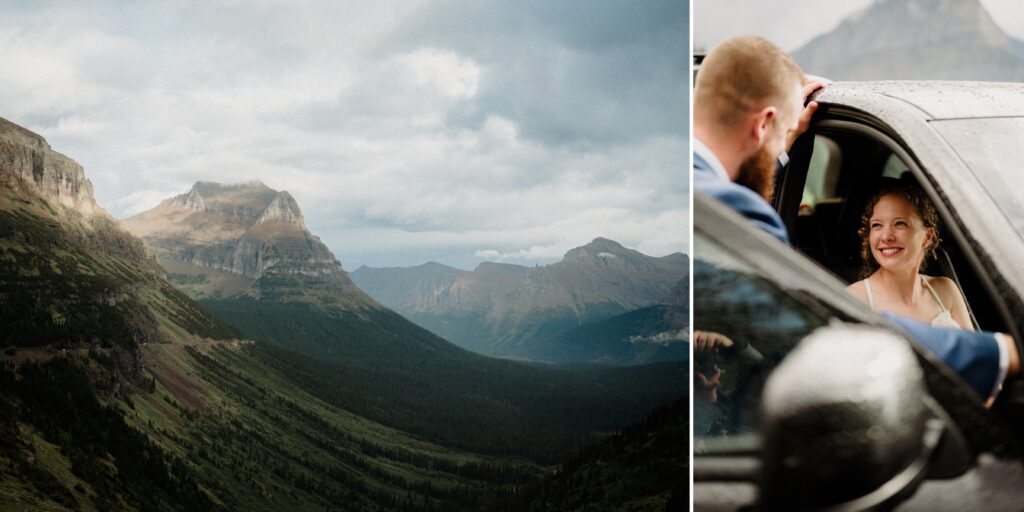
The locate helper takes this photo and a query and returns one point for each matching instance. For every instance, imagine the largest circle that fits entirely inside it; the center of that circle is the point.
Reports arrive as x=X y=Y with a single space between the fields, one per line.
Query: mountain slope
x=950 y=40
x=263 y=443
x=649 y=334
x=645 y=335
x=511 y=311
x=389 y=370
x=643 y=467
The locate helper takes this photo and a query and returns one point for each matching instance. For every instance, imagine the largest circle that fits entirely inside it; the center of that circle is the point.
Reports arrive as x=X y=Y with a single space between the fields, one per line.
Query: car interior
x=844 y=170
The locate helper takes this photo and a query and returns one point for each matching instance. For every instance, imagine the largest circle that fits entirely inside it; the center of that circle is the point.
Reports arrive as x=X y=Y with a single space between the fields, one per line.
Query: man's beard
x=758 y=173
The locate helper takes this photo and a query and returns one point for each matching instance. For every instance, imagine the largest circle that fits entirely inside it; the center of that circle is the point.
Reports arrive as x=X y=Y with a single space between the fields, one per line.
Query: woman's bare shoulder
x=857 y=290
x=944 y=286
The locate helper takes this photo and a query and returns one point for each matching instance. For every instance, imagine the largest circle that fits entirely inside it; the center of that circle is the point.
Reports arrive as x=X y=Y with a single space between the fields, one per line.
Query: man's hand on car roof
x=805 y=117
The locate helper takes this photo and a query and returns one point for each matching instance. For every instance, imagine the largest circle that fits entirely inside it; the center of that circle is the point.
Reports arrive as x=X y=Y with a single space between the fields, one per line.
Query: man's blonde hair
x=743 y=74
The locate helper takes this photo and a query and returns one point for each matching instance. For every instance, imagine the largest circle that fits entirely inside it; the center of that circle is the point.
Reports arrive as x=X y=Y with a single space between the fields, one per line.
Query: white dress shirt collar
x=702 y=150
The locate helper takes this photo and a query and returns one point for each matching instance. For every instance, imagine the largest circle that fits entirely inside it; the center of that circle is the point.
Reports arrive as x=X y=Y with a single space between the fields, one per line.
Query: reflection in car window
x=822 y=174
x=992 y=149
x=733 y=299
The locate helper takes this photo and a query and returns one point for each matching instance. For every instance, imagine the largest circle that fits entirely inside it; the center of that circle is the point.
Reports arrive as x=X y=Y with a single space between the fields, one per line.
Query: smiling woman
x=899 y=230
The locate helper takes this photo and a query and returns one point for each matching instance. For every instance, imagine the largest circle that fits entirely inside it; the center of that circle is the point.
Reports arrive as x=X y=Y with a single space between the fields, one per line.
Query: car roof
x=935 y=99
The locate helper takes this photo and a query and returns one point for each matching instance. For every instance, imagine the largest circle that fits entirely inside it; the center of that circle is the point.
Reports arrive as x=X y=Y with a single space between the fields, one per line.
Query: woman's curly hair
x=922 y=206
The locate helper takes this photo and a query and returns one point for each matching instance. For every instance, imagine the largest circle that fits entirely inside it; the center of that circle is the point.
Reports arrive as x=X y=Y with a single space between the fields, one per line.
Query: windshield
x=993 y=149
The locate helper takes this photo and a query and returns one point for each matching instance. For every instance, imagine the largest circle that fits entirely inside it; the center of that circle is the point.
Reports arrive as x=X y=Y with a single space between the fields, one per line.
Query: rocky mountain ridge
x=249 y=200
x=916 y=40
x=501 y=309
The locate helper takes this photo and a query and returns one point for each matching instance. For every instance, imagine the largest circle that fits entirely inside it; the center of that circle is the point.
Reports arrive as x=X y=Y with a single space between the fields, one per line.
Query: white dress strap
x=934 y=294
x=871 y=300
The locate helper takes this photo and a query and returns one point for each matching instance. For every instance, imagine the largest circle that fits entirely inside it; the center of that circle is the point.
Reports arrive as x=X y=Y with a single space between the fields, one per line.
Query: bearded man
x=748 y=109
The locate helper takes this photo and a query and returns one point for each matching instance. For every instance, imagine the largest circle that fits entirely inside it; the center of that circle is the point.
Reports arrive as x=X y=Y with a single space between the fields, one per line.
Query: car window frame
x=835 y=118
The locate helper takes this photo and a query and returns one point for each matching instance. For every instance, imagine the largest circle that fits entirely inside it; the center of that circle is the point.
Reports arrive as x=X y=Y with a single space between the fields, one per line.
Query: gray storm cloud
x=405 y=134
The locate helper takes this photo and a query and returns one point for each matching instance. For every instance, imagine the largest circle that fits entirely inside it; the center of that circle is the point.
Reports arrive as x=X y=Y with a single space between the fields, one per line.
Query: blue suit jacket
x=972 y=355
x=739 y=198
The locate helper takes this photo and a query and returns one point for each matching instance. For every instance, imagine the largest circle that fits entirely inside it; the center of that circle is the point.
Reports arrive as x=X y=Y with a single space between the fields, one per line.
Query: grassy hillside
x=259 y=442
x=216 y=429
x=385 y=368
x=643 y=468
x=61 y=448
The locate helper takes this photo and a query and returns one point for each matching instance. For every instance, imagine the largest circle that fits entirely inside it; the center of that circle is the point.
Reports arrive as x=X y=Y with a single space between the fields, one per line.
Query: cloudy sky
x=408 y=131
x=791 y=23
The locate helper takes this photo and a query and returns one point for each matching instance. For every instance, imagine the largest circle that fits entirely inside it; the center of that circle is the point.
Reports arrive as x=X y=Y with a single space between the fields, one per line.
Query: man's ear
x=759 y=123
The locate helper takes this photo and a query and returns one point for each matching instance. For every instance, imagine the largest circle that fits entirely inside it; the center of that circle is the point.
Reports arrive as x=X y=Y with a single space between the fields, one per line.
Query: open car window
x=844 y=170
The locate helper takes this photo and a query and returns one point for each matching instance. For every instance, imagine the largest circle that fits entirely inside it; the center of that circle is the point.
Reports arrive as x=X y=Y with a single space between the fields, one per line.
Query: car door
x=835 y=167
x=751 y=288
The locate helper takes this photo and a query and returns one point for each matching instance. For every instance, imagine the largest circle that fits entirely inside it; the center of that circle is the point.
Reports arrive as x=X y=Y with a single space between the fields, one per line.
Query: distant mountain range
x=516 y=311
x=224 y=242
x=916 y=40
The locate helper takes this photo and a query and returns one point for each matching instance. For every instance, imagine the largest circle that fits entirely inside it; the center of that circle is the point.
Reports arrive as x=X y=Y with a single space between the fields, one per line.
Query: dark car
x=834 y=412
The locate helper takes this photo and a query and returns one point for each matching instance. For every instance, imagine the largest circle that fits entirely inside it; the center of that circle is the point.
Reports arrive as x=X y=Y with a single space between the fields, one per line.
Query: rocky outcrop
x=247 y=229
x=40 y=176
x=282 y=208
x=243 y=200
x=26 y=160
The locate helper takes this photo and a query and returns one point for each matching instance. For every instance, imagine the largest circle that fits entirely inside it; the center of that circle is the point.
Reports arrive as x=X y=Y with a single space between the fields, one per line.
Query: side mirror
x=849 y=425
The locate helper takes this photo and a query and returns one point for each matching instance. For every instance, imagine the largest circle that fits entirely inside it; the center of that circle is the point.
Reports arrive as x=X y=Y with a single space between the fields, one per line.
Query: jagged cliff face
x=38 y=176
x=500 y=309
x=28 y=162
x=246 y=230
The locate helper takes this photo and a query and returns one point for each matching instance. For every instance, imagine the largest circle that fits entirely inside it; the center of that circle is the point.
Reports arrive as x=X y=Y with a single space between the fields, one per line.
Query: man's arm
x=978 y=357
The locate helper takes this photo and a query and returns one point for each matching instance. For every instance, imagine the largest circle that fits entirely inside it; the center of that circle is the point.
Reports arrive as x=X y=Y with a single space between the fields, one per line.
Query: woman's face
x=897 y=234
